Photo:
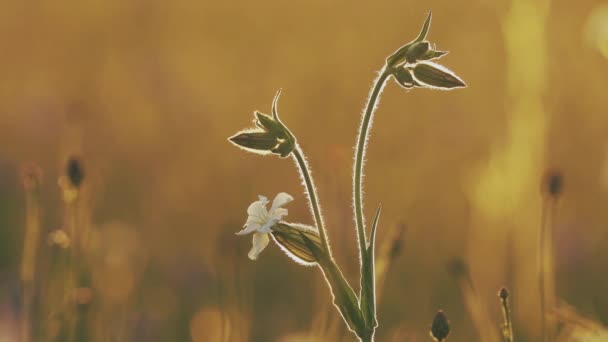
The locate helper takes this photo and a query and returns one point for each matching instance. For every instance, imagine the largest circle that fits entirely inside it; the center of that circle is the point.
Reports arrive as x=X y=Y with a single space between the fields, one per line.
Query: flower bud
x=417 y=51
x=269 y=136
x=404 y=77
x=441 y=327
x=436 y=76
x=289 y=238
x=260 y=141
x=401 y=55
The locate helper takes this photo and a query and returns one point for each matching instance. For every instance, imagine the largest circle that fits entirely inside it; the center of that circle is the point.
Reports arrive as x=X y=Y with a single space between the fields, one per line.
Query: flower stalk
x=311 y=191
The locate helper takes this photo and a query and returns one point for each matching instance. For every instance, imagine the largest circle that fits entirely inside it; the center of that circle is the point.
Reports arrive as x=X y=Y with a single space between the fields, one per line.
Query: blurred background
x=138 y=97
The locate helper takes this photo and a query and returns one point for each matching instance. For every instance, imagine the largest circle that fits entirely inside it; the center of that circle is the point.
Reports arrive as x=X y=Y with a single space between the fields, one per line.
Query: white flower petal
x=280 y=200
x=260 y=241
x=267 y=227
x=278 y=214
x=258 y=208
x=248 y=229
x=256 y=221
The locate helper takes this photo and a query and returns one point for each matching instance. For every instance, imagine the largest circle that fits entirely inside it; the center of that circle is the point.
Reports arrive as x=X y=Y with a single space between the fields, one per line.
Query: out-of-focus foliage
x=146 y=93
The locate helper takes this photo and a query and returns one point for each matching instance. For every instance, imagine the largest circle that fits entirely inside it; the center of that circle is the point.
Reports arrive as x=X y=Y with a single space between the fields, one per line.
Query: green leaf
x=275 y=113
x=368 y=278
x=403 y=76
x=344 y=297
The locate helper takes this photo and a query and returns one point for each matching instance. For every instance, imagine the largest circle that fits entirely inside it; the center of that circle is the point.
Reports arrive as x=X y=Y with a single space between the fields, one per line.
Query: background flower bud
x=440 y=329
x=75 y=171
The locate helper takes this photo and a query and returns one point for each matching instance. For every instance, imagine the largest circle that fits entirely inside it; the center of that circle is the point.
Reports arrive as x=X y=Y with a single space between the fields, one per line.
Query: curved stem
x=312 y=195
x=360 y=155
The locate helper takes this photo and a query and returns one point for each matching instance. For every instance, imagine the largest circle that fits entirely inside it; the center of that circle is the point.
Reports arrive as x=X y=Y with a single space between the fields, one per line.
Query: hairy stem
x=360 y=155
x=312 y=196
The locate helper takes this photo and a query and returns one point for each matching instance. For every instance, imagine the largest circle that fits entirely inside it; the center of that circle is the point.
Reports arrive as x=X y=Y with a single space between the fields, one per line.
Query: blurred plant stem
x=31 y=243
x=547 y=270
x=507 y=326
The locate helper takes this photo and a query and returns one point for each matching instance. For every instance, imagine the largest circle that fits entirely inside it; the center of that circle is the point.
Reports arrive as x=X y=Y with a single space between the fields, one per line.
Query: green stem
x=360 y=155
x=312 y=196
x=369 y=338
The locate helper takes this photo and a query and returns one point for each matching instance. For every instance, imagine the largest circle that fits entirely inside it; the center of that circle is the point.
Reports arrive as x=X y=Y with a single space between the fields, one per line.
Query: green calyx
x=269 y=136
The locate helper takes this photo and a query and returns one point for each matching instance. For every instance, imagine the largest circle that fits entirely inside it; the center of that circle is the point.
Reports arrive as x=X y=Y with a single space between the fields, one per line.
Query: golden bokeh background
x=145 y=94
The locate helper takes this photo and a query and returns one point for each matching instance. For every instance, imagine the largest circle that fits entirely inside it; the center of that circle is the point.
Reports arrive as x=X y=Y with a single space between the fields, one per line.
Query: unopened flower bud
x=401 y=55
x=289 y=237
x=261 y=141
x=404 y=77
x=269 y=136
x=417 y=51
x=436 y=76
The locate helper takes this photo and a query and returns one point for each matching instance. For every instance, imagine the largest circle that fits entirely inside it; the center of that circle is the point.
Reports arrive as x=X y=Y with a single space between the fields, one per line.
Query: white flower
x=261 y=220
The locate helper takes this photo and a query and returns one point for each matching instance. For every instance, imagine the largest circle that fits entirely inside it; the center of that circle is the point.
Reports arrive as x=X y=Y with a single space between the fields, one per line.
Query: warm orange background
x=146 y=92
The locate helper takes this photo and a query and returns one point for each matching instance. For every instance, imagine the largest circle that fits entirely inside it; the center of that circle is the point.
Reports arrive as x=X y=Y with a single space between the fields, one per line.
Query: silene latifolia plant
x=411 y=67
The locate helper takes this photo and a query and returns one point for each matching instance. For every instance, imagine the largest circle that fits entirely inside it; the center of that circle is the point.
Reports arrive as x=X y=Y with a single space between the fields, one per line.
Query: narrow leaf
x=275 y=113
x=372 y=238
x=368 y=277
x=344 y=297
x=425 y=28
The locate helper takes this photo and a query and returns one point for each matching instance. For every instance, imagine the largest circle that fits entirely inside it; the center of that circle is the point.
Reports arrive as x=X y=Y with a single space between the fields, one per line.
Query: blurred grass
x=147 y=92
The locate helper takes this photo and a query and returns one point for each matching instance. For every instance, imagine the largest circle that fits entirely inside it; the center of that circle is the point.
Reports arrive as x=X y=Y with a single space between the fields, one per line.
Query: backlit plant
x=410 y=66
